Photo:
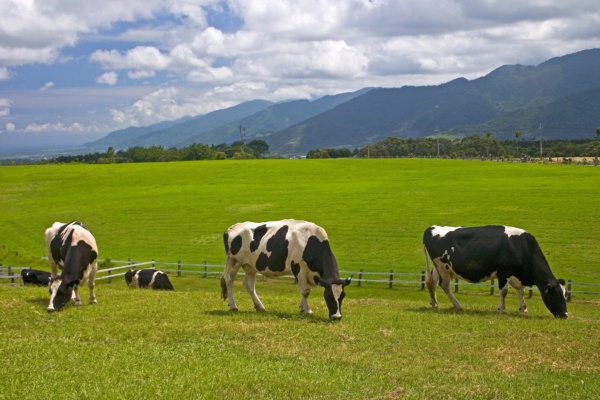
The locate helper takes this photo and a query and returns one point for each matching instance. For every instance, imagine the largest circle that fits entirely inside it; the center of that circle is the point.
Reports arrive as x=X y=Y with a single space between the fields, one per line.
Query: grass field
x=390 y=344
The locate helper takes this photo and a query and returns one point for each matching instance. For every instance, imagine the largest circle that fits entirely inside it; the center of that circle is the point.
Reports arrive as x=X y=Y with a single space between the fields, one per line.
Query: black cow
x=477 y=254
x=71 y=248
x=148 y=278
x=35 y=277
x=281 y=248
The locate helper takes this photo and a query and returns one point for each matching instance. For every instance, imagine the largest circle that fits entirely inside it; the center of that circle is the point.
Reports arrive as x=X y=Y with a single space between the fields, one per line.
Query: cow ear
x=348 y=280
x=562 y=282
x=75 y=283
x=317 y=280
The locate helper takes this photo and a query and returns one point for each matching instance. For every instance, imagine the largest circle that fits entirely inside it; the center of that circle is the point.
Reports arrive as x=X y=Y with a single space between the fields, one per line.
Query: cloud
x=5 y=107
x=10 y=127
x=47 y=85
x=4 y=73
x=108 y=78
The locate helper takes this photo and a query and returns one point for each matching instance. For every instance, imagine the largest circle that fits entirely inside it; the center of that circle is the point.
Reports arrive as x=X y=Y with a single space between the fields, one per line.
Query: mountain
x=272 y=119
x=174 y=133
x=559 y=93
x=562 y=94
x=116 y=138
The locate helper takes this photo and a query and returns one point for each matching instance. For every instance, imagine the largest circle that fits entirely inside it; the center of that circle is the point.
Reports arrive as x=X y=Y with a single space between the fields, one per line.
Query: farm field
x=375 y=211
x=390 y=343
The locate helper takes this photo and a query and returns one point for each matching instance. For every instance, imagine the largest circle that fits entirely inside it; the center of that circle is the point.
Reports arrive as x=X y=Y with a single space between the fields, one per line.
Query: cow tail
x=426 y=259
x=223 y=287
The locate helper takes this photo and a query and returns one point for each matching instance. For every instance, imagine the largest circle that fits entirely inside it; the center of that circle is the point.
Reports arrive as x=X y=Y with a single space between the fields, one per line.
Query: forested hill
x=558 y=99
x=562 y=94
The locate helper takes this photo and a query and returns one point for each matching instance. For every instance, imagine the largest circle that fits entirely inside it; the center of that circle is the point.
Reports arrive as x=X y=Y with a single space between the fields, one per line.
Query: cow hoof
x=258 y=309
x=233 y=310
x=93 y=302
x=50 y=310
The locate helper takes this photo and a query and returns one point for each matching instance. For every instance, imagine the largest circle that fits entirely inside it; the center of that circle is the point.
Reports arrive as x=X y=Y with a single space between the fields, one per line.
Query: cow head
x=60 y=293
x=334 y=294
x=554 y=296
x=129 y=275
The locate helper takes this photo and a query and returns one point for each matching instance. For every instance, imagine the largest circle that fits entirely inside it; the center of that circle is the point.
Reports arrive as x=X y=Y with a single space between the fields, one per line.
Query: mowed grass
x=389 y=344
x=375 y=211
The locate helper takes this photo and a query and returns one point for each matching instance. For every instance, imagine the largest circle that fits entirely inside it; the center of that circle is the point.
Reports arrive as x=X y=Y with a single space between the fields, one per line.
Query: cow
x=477 y=254
x=35 y=277
x=279 y=248
x=72 y=249
x=148 y=278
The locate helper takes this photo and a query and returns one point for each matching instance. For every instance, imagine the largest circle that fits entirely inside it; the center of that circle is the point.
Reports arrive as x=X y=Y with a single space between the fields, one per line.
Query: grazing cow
x=281 y=248
x=479 y=254
x=35 y=277
x=148 y=278
x=71 y=248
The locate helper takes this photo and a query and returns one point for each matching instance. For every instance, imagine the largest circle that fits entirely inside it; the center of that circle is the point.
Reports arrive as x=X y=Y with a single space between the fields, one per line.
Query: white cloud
x=47 y=85
x=5 y=107
x=10 y=127
x=273 y=49
x=4 y=73
x=108 y=78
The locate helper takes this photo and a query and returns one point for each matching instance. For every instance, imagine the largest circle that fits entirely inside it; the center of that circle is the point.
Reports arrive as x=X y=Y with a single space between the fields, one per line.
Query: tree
x=597 y=137
x=487 y=141
x=517 y=134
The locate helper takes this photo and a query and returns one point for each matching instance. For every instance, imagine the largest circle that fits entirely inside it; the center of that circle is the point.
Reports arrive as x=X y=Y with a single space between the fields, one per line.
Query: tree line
x=237 y=150
x=467 y=147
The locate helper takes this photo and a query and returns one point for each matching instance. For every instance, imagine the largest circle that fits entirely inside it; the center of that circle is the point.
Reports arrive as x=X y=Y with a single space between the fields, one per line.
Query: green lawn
x=390 y=343
x=375 y=211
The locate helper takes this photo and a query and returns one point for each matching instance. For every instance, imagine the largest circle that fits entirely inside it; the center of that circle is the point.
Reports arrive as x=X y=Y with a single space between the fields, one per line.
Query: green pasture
x=140 y=344
x=375 y=211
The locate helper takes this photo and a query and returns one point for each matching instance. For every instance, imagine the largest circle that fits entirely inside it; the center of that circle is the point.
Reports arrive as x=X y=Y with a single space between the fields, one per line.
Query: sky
x=71 y=71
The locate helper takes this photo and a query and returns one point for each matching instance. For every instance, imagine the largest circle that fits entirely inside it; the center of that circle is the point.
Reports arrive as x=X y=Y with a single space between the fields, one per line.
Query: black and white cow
x=148 y=278
x=72 y=249
x=281 y=248
x=35 y=277
x=477 y=254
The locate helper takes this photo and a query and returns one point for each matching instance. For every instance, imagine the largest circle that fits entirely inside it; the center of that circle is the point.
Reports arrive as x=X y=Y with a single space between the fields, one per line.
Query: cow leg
x=227 y=281
x=75 y=296
x=503 y=287
x=91 y=282
x=516 y=283
x=431 y=281
x=521 y=295
x=249 y=280
x=304 y=307
x=446 y=287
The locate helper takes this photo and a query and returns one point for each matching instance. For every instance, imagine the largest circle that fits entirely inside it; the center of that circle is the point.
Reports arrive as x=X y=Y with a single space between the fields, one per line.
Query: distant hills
x=559 y=98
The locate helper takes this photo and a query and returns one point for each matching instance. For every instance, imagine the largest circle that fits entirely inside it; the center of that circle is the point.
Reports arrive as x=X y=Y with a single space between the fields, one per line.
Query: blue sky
x=71 y=71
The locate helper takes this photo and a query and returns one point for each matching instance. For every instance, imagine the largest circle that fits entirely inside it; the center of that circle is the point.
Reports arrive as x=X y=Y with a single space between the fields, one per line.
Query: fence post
x=456 y=285
x=530 y=292
x=422 y=280
x=205 y=269
x=492 y=286
x=360 y=277
x=391 y=278
x=10 y=273
x=178 y=268
x=109 y=278
x=153 y=266
x=569 y=290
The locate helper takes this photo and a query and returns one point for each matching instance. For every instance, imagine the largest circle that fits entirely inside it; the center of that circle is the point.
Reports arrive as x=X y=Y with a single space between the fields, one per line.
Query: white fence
x=205 y=270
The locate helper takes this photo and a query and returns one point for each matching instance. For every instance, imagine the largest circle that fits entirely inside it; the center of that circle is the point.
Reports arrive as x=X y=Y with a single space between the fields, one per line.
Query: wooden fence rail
x=205 y=269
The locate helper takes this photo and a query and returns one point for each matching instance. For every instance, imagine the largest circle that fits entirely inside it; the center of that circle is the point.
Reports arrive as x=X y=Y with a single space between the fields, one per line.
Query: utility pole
x=242 y=136
x=437 y=136
x=541 y=129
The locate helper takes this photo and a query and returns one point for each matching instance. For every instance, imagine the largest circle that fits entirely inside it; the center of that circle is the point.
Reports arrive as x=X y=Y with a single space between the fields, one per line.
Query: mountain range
x=559 y=99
